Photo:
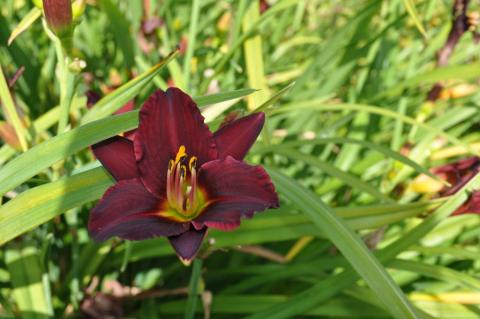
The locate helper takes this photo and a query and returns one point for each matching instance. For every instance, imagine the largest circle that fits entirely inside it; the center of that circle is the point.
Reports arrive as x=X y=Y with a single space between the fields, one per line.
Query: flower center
x=185 y=199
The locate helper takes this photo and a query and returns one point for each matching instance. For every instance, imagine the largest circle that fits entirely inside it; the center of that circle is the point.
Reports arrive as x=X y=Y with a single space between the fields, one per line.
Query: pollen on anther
x=192 y=163
x=183 y=170
x=181 y=154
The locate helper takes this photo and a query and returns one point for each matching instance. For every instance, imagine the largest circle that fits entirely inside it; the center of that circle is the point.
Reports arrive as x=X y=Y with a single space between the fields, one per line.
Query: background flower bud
x=58 y=14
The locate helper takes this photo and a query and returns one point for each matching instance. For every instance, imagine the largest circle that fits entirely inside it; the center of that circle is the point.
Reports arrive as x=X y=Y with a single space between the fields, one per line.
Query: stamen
x=181 y=154
x=169 y=183
x=178 y=187
x=192 y=163
x=192 y=196
x=182 y=188
x=183 y=171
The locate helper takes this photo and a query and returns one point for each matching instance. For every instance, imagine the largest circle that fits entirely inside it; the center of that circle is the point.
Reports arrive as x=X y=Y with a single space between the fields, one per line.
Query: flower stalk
x=58 y=14
x=66 y=70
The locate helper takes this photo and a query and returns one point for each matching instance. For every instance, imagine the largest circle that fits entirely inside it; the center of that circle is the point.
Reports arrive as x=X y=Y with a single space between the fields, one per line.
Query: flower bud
x=58 y=14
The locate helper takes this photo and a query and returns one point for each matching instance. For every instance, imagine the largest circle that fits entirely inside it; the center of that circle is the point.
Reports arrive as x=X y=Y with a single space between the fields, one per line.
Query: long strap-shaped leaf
x=350 y=244
x=31 y=289
x=40 y=204
x=11 y=113
x=324 y=290
x=342 y=140
x=61 y=146
x=115 y=100
x=333 y=171
x=322 y=106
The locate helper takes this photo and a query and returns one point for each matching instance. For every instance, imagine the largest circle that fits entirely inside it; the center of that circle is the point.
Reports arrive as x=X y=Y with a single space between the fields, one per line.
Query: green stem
x=66 y=77
x=193 y=289
x=67 y=87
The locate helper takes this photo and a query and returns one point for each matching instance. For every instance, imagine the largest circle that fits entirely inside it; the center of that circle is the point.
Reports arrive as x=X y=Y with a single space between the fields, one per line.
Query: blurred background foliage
x=359 y=105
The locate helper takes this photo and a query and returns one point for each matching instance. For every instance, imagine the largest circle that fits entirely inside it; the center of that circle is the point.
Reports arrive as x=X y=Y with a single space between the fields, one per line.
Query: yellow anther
x=192 y=163
x=183 y=171
x=181 y=154
x=170 y=165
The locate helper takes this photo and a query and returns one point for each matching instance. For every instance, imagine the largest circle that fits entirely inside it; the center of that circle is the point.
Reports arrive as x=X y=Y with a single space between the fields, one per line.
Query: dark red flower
x=458 y=174
x=177 y=179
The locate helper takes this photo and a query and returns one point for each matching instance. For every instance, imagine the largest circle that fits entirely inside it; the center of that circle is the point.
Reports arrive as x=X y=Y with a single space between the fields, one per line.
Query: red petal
x=237 y=137
x=117 y=156
x=92 y=98
x=235 y=189
x=471 y=206
x=167 y=121
x=129 y=211
x=130 y=135
x=187 y=244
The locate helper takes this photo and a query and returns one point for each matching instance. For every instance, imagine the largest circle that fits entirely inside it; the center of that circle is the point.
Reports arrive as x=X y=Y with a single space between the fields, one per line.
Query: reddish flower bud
x=58 y=14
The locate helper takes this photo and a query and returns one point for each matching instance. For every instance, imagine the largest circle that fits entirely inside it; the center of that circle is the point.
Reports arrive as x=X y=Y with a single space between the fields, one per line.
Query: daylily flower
x=177 y=179
x=457 y=174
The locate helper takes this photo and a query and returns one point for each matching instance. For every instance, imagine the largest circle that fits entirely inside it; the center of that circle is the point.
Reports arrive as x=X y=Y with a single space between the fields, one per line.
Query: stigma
x=185 y=200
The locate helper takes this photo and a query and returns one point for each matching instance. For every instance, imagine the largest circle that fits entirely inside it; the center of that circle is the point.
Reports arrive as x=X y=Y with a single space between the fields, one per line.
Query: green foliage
x=349 y=130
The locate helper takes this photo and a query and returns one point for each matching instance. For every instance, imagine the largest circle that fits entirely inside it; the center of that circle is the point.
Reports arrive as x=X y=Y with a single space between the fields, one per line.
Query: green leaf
x=412 y=11
x=25 y=23
x=61 y=146
x=340 y=140
x=42 y=203
x=351 y=246
x=222 y=97
x=321 y=105
x=193 y=290
x=275 y=98
x=331 y=286
x=115 y=100
x=453 y=72
x=10 y=112
x=192 y=36
x=31 y=288
x=236 y=304
x=40 y=125
x=254 y=58
x=120 y=27
x=438 y=272
x=331 y=170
